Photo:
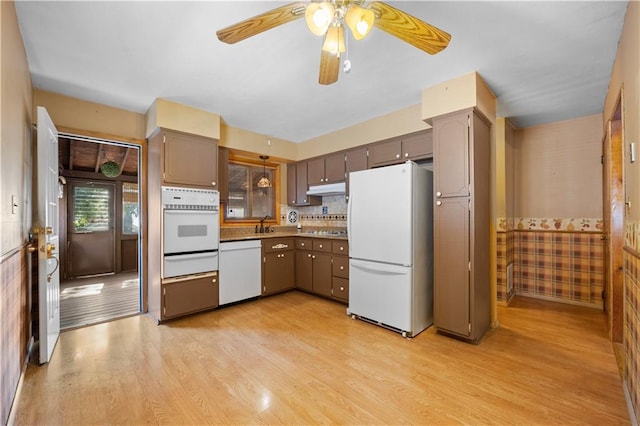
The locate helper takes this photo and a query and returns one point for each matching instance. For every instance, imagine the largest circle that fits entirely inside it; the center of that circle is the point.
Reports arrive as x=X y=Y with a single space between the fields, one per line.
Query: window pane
x=130 y=214
x=247 y=201
x=91 y=209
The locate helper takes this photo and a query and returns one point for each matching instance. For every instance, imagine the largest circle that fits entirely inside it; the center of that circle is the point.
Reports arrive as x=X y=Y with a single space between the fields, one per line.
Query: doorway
x=100 y=230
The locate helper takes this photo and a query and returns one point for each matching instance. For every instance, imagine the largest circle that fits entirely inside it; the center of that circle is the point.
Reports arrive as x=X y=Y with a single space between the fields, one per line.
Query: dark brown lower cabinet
x=278 y=265
x=340 y=277
x=322 y=267
x=182 y=296
x=304 y=270
x=322 y=274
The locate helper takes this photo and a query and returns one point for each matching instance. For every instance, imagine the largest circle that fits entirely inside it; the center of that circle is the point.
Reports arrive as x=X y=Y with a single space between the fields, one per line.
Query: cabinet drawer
x=277 y=244
x=186 y=295
x=304 y=243
x=340 y=266
x=341 y=288
x=340 y=247
x=322 y=245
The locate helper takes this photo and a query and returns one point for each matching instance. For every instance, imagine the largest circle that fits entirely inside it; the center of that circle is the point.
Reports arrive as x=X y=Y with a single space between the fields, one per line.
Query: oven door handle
x=183 y=257
x=189 y=212
x=189 y=277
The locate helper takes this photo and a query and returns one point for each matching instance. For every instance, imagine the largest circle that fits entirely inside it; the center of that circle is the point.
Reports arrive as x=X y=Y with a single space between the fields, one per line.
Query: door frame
x=613 y=197
x=141 y=145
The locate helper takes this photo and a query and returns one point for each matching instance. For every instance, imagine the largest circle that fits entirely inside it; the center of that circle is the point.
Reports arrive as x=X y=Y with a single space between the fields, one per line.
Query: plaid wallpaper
x=631 y=333
x=14 y=327
x=560 y=265
x=504 y=257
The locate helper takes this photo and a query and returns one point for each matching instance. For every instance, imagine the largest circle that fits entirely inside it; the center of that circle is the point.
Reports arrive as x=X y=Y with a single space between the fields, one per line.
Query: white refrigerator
x=390 y=230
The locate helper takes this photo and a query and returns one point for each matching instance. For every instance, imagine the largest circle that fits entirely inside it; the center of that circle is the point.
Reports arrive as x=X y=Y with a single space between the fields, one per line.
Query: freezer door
x=381 y=292
x=380 y=214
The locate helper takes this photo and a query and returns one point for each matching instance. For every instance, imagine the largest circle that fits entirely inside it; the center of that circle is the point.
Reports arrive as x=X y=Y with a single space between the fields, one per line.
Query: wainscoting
x=14 y=326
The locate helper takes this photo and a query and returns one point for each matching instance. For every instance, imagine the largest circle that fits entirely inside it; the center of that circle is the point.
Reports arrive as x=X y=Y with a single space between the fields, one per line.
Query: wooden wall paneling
x=15 y=332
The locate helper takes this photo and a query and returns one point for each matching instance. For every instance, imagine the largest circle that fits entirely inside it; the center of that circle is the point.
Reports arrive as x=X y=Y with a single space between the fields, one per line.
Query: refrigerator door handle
x=380 y=268
x=349 y=203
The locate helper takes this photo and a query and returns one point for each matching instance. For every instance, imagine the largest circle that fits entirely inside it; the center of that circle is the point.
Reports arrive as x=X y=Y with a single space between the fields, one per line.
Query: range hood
x=328 y=189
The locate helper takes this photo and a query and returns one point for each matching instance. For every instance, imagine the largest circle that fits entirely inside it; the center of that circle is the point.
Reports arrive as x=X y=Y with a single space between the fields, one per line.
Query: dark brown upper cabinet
x=415 y=146
x=187 y=159
x=297 y=186
x=355 y=160
x=326 y=169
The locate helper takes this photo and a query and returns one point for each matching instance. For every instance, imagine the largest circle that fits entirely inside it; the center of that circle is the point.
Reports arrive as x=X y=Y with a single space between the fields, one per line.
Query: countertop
x=279 y=234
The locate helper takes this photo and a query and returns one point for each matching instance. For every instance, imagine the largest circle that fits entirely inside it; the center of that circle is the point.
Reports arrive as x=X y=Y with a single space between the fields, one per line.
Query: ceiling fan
x=328 y=19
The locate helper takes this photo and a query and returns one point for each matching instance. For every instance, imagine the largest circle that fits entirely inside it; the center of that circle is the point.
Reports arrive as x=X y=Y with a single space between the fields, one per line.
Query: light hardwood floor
x=298 y=359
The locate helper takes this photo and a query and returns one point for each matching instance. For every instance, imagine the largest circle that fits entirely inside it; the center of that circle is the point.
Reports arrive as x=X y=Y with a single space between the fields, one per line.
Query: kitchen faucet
x=261 y=229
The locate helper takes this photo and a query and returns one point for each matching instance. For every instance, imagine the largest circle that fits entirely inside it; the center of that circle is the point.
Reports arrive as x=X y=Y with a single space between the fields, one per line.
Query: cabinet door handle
x=342 y=268
x=213 y=183
x=309 y=255
x=406 y=154
x=313 y=257
x=341 y=248
x=320 y=246
x=341 y=288
x=438 y=203
x=305 y=200
x=438 y=194
x=397 y=155
x=214 y=280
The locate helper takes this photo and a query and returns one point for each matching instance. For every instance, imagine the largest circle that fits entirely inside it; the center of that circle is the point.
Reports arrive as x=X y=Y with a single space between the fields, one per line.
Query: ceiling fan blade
x=260 y=23
x=329 y=68
x=409 y=28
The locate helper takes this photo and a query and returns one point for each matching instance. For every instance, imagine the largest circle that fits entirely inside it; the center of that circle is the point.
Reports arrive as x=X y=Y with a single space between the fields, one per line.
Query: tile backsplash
x=332 y=213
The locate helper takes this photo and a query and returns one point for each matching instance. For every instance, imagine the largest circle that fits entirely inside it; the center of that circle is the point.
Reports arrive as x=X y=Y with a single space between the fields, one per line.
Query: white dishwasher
x=240 y=270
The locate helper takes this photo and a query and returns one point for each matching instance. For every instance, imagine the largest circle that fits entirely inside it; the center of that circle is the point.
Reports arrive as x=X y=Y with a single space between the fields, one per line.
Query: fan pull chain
x=347 y=63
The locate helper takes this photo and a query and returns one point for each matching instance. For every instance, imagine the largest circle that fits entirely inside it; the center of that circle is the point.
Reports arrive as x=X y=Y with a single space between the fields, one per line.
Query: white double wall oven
x=191 y=231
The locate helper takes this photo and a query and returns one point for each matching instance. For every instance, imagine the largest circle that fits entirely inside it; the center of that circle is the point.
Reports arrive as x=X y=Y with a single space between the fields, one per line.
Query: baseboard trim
x=627 y=397
x=558 y=300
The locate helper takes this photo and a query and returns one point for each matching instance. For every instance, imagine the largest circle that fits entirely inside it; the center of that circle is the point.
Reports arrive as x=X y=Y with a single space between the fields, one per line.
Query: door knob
x=50 y=248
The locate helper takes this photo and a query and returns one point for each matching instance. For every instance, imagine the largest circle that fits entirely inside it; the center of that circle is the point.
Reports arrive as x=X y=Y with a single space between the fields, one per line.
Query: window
x=91 y=208
x=130 y=213
x=247 y=201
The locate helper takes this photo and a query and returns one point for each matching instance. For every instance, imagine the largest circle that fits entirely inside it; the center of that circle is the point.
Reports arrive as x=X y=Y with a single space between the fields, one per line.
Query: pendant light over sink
x=264 y=181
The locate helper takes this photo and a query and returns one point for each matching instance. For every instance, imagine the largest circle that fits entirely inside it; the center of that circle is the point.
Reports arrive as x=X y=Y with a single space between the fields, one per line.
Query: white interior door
x=46 y=224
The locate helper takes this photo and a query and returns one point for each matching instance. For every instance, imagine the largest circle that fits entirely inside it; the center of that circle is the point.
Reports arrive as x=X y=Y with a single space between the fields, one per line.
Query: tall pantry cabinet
x=462 y=303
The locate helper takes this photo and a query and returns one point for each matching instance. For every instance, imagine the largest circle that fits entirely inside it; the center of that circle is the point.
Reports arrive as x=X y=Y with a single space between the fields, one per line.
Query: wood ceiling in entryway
x=86 y=156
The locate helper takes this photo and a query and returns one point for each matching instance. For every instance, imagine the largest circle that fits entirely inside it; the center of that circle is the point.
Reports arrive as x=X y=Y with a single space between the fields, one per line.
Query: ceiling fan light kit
x=328 y=19
x=334 y=40
x=359 y=20
x=319 y=16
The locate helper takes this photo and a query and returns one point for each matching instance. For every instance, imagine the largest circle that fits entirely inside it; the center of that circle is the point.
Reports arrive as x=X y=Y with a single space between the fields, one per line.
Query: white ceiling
x=545 y=61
